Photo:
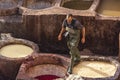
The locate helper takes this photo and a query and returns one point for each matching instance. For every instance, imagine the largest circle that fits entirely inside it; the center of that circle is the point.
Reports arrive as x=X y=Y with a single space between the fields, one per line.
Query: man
x=72 y=26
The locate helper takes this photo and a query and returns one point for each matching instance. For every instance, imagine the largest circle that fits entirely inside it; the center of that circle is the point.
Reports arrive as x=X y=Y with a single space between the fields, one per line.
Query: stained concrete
x=43 y=26
x=101 y=35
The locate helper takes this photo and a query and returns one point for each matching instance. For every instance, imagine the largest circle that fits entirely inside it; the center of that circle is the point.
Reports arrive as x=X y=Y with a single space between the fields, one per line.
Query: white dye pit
x=94 y=69
x=16 y=50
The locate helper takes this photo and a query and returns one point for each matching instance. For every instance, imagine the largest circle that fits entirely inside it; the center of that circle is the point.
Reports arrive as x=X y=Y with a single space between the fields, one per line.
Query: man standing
x=72 y=26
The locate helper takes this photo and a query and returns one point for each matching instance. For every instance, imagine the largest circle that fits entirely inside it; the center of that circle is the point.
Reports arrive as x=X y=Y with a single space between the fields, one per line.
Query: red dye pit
x=47 y=77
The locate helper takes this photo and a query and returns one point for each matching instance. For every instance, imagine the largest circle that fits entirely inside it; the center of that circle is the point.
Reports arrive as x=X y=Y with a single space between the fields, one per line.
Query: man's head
x=69 y=17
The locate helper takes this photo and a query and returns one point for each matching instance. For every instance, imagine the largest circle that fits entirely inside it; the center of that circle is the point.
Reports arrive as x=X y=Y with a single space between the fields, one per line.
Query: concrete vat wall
x=43 y=25
x=101 y=35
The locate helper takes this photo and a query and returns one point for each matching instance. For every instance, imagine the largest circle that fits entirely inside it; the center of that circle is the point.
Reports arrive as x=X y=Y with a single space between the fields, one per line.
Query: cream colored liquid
x=94 y=69
x=15 y=51
x=109 y=7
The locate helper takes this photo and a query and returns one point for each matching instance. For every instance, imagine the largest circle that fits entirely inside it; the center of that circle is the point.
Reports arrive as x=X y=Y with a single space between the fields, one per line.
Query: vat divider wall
x=119 y=46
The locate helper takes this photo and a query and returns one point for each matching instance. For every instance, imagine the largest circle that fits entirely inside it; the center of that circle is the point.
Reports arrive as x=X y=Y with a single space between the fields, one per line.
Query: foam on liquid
x=15 y=51
x=94 y=69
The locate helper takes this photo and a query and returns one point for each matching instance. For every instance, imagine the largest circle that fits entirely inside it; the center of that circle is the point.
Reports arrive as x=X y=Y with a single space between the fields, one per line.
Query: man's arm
x=80 y=26
x=60 y=34
x=83 y=35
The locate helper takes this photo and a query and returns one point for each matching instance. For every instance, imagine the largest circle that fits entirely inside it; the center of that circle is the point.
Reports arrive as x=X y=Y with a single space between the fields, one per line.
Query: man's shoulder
x=75 y=21
x=64 y=20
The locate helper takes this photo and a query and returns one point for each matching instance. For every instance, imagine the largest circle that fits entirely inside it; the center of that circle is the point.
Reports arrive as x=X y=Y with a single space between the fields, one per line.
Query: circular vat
x=13 y=52
x=109 y=8
x=38 y=4
x=45 y=67
x=17 y=48
x=77 y=4
x=8 y=7
x=95 y=68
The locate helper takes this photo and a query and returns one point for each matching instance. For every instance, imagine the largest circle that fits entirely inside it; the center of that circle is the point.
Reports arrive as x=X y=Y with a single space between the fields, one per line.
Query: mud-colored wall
x=101 y=35
x=105 y=35
x=13 y=25
x=43 y=27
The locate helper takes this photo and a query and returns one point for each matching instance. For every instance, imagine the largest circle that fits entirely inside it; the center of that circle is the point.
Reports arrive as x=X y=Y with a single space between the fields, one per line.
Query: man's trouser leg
x=74 y=52
x=71 y=64
x=74 y=46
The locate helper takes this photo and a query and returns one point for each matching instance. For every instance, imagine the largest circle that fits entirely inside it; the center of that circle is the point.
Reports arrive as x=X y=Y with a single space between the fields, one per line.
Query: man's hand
x=83 y=35
x=60 y=34
x=83 y=40
x=59 y=37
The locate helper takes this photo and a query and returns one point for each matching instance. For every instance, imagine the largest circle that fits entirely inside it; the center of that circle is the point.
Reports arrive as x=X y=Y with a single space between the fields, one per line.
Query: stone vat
x=107 y=60
x=110 y=8
x=44 y=64
x=77 y=4
x=8 y=7
x=53 y=64
x=9 y=66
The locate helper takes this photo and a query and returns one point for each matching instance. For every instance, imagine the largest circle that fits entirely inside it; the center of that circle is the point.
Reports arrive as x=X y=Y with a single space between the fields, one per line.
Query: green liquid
x=109 y=7
x=78 y=4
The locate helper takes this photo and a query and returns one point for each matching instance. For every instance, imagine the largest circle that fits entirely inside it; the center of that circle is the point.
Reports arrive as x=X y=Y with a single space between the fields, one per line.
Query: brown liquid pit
x=78 y=4
x=15 y=50
x=109 y=7
x=95 y=69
